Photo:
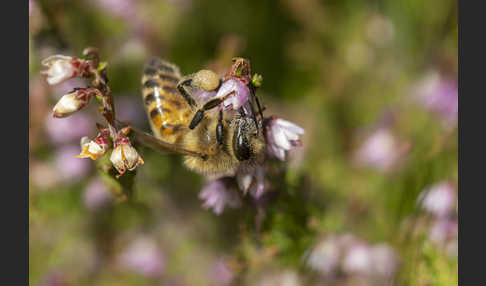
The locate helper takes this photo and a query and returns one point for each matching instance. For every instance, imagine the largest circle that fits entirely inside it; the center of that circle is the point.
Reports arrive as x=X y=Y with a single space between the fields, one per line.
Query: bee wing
x=162 y=146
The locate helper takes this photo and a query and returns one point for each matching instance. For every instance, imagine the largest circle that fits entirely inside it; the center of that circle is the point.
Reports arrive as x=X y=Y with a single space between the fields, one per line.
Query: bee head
x=247 y=141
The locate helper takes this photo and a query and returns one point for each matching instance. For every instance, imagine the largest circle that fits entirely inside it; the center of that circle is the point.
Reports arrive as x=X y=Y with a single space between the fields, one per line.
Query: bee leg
x=242 y=112
x=253 y=115
x=207 y=106
x=200 y=113
x=219 y=128
x=260 y=109
x=182 y=85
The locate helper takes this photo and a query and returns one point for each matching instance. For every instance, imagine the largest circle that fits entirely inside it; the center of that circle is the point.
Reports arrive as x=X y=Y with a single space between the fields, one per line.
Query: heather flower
x=96 y=147
x=67 y=130
x=144 y=257
x=439 y=199
x=96 y=194
x=240 y=94
x=216 y=196
x=72 y=102
x=381 y=150
x=443 y=230
x=353 y=257
x=282 y=135
x=324 y=257
x=60 y=68
x=280 y=278
x=220 y=273
x=120 y=8
x=68 y=167
x=385 y=260
x=440 y=95
x=252 y=180
x=358 y=260
x=124 y=157
x=202 y=95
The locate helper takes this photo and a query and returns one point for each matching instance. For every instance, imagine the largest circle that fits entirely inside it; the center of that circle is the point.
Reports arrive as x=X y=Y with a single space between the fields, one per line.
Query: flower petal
x=292 y=127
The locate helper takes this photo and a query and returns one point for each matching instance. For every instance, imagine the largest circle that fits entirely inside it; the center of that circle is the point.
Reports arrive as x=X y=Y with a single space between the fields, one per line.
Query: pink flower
x=438 y=199
x=221 y=274
x=443 y=230
x=144 y=257
x=240 y=94
x=96 y=194
x=68 y=129
x=282 y=135
x=381 y=150
x=217 y=196
x=440 y=95
x=358 y=259
x=385 y=260
x=203 y=96
x=60 y=68
x=253 y=181
x=121 y=8
x=69 y=168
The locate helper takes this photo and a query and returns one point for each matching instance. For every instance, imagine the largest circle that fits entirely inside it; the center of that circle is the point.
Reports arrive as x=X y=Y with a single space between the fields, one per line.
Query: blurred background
x=370 y=198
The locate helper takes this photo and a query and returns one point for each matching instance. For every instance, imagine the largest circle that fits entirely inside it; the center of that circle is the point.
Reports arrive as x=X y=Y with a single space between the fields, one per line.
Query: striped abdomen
x=167 y=111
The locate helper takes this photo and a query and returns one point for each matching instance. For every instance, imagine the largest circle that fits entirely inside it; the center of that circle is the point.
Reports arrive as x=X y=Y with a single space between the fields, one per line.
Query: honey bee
x=215 y=143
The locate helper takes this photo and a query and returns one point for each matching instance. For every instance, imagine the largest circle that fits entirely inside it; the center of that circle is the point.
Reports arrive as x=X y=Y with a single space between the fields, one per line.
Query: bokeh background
x=370 y=198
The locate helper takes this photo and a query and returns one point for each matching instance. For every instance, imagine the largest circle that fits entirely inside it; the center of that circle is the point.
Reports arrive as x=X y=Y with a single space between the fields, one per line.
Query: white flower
x=282 y=135
x=60 y=68
x=358 y=259
x=124 y=157
x=94 y=148
x=71 y=102
x=324 y=257
x=439 y=199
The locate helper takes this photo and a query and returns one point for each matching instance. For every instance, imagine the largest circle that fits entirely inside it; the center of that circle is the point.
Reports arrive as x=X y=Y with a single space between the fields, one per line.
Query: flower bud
x=94 y=148
x=72 y=102
x=124 y=157
x=60 y=68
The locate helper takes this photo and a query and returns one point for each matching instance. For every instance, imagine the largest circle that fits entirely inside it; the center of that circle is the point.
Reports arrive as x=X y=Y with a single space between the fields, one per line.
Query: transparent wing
x=162 y=146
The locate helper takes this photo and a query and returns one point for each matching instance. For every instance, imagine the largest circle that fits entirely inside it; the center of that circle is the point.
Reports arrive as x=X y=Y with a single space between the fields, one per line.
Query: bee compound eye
x=241 y=147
